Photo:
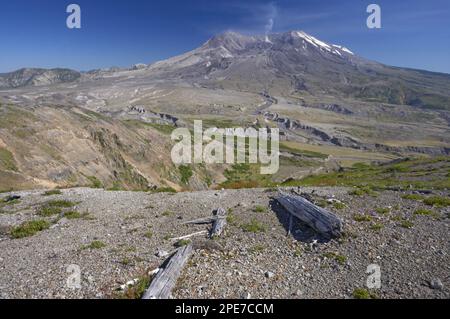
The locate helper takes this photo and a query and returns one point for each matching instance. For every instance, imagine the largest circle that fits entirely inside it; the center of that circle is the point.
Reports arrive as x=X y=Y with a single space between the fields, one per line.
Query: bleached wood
x=219 y=223
x=162 y=285
x=321 y=220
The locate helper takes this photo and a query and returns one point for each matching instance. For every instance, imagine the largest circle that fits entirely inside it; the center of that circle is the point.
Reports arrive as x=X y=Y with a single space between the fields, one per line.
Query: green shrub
x=30 y=228
x=186 y=173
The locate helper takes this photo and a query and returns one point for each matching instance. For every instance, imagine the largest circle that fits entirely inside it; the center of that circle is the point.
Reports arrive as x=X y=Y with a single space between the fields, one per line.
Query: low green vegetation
x=259 y=209
x=167 y=213
x=136 y=291
x=254 y=227
x=382 y=210
x=95 y=182
x=407 y=224
x=362 y=190
x=362 y=218
x=338 y=205
x=186 y=173
x=96 y=244
x=256 y=249
x=148 y=234
x=361 y=293
x=52 y=192
x=54 y=207
x=376 y=226
x=72 y=215
x=438 y=201
x=164 y=190
x=245 y=176
x=182 y=242
x=416 y=197
x=7 y=161
x=29 y=228
x=401 y=174
x=341 y=259
x=231 y=219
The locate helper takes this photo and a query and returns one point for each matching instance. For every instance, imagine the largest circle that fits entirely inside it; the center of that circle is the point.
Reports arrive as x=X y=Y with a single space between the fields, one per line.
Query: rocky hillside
x=116 y=238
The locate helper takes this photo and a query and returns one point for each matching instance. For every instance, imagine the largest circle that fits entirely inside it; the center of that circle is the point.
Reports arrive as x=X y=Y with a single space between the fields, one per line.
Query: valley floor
x=115 y=237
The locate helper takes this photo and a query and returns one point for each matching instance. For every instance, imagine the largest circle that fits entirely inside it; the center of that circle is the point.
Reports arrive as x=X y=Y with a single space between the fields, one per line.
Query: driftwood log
x=321 y=220
x=219 y=223
x=166 y=278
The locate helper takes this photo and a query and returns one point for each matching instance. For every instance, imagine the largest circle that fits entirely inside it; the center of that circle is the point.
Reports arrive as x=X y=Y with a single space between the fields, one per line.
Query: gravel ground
x=135 y=226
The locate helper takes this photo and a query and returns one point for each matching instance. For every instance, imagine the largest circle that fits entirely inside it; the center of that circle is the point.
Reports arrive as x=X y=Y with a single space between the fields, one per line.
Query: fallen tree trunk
x=321 y=220
x=219 y=223
x=162 y=285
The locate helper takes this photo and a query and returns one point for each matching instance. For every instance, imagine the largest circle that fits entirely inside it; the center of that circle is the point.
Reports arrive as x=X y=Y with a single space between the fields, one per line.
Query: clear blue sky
x=415 y=33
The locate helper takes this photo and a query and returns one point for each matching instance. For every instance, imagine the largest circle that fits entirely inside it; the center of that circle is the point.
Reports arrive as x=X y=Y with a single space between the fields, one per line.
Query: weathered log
x=219 y=223
x=162 y=285
x=321 y=220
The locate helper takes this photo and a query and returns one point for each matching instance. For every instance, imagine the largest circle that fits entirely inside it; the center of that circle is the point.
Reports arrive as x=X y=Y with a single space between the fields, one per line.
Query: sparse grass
x=382 y=210
x=73 y=215
x=361 y=191
x=148 y=234
x=164 y=190
x=167 y=237
x=259 y=209
x=61 y=203
x=29 y=228
x=376 y=226
x=96 y=244
x=52 y=192
x=231 y=219
x=54 y=207
x=416 y=197
x=95 y=182
x=186 y=173
x=362 y=218
x=254 y=227
x=256 y=249
x=438 y=201
x=298 y=252
x=167 y=213
x=341 y=259
x=47 y=211
x=7 y=160
x=125 y=261
x=401 y=175
x=338 y=205
x=136 y=291
x=407 y=224
x=361 y=293
x=182 y=242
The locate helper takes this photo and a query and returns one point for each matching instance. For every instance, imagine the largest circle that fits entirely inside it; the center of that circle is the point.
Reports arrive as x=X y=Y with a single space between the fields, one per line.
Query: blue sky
x=414 y=33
